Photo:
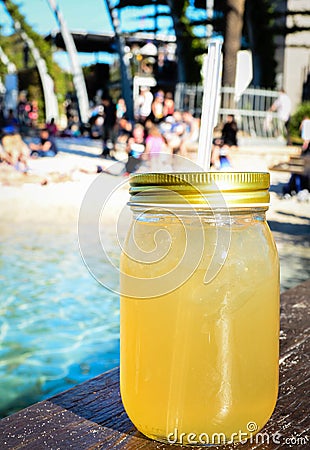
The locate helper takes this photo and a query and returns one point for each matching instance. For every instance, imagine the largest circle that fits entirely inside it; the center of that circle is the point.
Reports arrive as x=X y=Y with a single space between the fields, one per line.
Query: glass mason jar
x=199 y=307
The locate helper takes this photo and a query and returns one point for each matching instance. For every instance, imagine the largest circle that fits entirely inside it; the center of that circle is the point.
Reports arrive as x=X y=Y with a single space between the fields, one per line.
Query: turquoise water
x=58 y=326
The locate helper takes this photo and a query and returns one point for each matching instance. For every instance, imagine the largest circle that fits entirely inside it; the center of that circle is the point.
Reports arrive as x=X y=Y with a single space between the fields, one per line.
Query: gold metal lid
x=206 y=189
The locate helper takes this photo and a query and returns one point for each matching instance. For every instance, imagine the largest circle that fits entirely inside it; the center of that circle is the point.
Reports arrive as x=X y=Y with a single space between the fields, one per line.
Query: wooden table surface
x=91 y=415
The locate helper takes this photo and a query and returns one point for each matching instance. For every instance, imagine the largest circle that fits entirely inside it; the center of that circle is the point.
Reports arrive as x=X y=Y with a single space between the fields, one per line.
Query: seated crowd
x=15 y=152
x=145 y=141
x=158 y=129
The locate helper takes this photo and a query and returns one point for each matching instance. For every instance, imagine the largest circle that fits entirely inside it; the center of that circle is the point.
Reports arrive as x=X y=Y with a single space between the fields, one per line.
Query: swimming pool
x=58 y=326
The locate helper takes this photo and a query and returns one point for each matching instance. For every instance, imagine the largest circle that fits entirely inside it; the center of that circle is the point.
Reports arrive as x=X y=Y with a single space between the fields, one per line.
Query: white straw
x=212 y=83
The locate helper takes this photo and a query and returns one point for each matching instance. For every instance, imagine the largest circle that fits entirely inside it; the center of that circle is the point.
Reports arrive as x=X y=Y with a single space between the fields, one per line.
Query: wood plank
x=91 y=415
x=288 y=168
x=299 y=165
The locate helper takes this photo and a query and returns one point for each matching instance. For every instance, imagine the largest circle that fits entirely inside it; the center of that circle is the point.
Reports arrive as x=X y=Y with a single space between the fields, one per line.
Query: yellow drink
x=199 y=364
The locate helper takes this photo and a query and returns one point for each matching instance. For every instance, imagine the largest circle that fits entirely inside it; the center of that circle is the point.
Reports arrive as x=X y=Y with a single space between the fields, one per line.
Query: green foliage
x=13 y=46
x=3 y=70
x=43 y=47
x=6 y=42
x=301 y=112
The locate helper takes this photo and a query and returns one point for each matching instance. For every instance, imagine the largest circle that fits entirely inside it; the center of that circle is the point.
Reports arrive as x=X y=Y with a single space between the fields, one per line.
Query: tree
x=233 y=19
x=15 y=50
x=259 y=34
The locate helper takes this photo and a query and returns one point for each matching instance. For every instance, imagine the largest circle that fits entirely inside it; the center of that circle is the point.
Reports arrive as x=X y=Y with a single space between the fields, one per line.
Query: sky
x=87 y=15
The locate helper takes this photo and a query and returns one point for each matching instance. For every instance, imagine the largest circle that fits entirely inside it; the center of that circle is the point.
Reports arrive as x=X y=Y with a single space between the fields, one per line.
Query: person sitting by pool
x=135 y=149
x=52 y=127
x=220 y=155
x=46 y=146
x=14 y=151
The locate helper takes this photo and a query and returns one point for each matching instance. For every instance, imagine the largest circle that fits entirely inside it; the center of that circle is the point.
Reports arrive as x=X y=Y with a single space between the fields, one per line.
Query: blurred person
x=46 y=147
x=11 y=121
x=220 y=155
x=97 y=127
x=305 y=134
x=23 y=108
x=155 y=142
x=299 y=184
x=157 y=152
x=135 y=148
x=121 y=108
x=283 y=106
x=14 y=151
x=147 y=126
x=73 y=128
x=143 y=105
x=33 y=114
x=178 y=125
x=165 y=127
x=175 y=135
x=94 y=112
x=124 y=127
x=52 y=127
x=168 y=104
x=221 y=148
x=157 y=108
x=108 y=126
x=229 y=132
x=123 y=131
x=190 y=138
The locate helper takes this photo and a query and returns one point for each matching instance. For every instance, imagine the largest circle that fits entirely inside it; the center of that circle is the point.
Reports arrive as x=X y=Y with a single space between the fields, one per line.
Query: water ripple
x=58 y=326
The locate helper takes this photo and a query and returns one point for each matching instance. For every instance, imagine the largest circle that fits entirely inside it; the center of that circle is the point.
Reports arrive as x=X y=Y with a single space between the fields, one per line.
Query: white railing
x=251 y=110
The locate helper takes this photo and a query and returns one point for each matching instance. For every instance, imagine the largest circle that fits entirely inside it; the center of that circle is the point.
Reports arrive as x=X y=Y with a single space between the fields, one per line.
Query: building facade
x=293 y=52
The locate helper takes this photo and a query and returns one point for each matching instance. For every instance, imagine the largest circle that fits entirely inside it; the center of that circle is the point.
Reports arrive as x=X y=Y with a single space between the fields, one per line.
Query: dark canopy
x=104 y=42
x=87 y=42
